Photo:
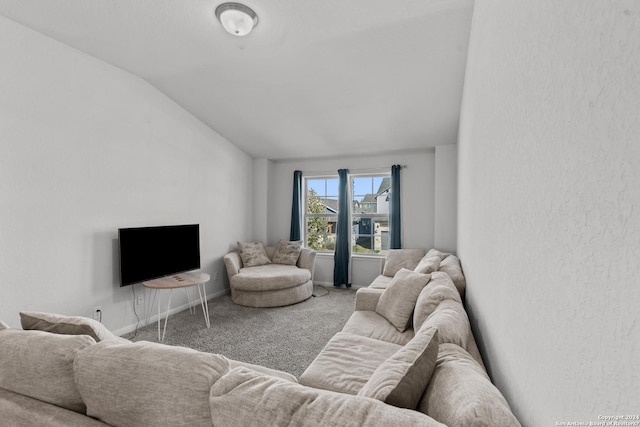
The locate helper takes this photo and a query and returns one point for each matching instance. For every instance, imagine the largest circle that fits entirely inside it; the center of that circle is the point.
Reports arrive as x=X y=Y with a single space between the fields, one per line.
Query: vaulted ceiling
x=315 y=78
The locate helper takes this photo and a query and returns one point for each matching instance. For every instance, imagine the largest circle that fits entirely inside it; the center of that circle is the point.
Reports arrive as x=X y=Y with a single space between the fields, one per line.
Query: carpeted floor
x=284 y=338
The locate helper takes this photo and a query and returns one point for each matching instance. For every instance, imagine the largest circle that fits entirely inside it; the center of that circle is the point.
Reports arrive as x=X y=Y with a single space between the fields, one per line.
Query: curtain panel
x=343 y=233
x=296 y=208
x=395 y=226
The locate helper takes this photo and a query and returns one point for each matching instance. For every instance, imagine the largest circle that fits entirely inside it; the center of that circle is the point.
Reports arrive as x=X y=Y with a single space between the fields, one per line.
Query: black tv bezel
x=159 y=227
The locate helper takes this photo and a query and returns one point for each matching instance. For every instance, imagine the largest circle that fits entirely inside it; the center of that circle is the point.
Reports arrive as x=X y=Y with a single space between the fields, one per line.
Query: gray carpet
x=284 y=338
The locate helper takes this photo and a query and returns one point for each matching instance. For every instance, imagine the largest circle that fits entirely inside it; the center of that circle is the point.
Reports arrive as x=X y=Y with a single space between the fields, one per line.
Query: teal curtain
x=296 y=208
x=395 y=226
x=341 y=256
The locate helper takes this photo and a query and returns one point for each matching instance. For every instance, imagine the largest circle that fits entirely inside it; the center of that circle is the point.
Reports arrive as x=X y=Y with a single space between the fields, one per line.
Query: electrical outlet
x=97 y=313
x=140 y=299
x=215 y=276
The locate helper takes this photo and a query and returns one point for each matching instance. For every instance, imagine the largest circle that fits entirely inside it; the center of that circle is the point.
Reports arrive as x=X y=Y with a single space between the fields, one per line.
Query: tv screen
x=148 y=253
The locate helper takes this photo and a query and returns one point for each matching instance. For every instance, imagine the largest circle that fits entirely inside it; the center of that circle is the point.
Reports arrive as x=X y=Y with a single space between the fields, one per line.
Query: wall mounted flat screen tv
x=148 y=253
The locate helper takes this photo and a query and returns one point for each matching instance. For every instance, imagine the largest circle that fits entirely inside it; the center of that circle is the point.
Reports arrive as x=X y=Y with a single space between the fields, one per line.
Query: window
x=369 y=213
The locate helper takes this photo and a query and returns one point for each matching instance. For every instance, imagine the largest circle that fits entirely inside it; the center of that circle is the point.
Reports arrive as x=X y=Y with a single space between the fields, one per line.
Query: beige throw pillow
x=66 y=325
x=428 y=264
x=401 y=258
x=252 y=254
x=287 y=252
x=397 y=302
x=402 y=379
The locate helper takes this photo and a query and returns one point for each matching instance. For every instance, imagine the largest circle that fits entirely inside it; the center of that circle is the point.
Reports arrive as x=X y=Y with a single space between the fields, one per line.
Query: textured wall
x=549 y=204
x=86 y=148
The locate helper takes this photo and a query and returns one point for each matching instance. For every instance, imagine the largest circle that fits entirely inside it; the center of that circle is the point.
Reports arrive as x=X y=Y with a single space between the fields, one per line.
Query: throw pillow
x=252 y=254
x=287 y=252
x=428 y=264
x=397 y=302
x=402 y=379
x=439 y=254
x=66 y=325
x=401 y=258
x=3 y=325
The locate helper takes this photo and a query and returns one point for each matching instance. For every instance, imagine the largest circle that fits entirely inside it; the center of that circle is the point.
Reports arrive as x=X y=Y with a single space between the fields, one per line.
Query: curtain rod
x=374 y=170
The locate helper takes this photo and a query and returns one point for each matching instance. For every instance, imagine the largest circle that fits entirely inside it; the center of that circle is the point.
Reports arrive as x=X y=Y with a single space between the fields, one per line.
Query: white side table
x=177 y=281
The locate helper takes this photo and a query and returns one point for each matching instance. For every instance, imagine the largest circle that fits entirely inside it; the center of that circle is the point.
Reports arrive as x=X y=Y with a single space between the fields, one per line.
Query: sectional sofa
x=406 y=357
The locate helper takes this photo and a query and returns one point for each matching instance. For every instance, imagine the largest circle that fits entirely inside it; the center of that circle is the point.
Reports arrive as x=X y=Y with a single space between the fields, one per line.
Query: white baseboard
x=154 y=318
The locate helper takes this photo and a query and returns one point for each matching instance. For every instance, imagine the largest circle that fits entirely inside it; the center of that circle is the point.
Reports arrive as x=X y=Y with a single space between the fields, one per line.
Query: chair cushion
x=270 y=277
x=252 y=254
x=461 y=394
x=397 y=302
x=270 y=401
x=40 y=365
x=287 y=252
x=66 y=325
x=346 y=363
x=401 y=258
x=402 y=379
x=138 y=384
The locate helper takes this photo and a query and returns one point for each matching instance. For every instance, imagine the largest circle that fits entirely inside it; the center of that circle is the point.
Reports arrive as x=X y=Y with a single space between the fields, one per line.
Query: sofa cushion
x=401 y=258
x=397 y=302
x=452 y=323
x=252 y=254
x=138 y=384
x=381 y=282
x=428 y=264
x=439 y=254
x=440 y=288
x=66 y=325
x=451 y=266
x=402 y=379
x=371 y=325
x=346 y=363
x=270 y=401
x=19 y=410
x=40 y=365
x=263 y=369
x=287 y=252
x=461 y=394
x=270 y=277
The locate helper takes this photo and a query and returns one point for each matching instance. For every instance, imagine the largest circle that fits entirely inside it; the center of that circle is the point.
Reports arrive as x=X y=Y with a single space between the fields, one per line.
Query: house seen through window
x=369 y=213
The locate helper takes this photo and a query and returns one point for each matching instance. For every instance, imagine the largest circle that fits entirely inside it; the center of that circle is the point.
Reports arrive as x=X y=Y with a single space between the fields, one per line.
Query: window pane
x=320 y=233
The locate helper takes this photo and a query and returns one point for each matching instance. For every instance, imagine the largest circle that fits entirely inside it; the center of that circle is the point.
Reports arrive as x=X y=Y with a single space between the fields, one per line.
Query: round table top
x=181 y=280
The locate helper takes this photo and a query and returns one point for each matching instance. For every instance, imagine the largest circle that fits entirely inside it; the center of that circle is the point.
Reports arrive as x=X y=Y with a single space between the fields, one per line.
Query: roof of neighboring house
x=385 y=185
x=331 y=205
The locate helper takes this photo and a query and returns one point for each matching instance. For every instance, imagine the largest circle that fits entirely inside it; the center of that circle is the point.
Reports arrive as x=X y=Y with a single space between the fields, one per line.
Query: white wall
x=549 y=204
x=446 y=198
x=262 y=172
x=87 y=148
x=417 y=187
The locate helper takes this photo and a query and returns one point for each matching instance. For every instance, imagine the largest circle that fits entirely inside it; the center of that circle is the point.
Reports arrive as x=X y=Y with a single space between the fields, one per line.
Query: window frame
x=374 y=173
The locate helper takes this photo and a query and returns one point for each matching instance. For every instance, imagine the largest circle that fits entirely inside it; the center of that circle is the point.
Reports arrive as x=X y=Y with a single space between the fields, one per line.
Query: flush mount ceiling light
x=236 y=18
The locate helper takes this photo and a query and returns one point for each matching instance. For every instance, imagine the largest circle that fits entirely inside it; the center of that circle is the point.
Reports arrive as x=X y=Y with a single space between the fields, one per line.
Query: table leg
x=166 y=319
x=204 y=304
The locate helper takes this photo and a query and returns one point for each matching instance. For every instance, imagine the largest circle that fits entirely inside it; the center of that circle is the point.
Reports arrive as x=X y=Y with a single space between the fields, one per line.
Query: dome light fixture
x=236 y=18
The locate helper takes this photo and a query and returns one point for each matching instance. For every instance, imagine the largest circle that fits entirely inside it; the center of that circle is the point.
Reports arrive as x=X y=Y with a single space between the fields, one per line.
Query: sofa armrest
x=367 y=299
x=233 y=263
x=307 y=260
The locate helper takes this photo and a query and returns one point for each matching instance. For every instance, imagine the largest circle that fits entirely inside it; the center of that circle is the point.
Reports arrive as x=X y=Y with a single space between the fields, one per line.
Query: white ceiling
x=316 y=78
